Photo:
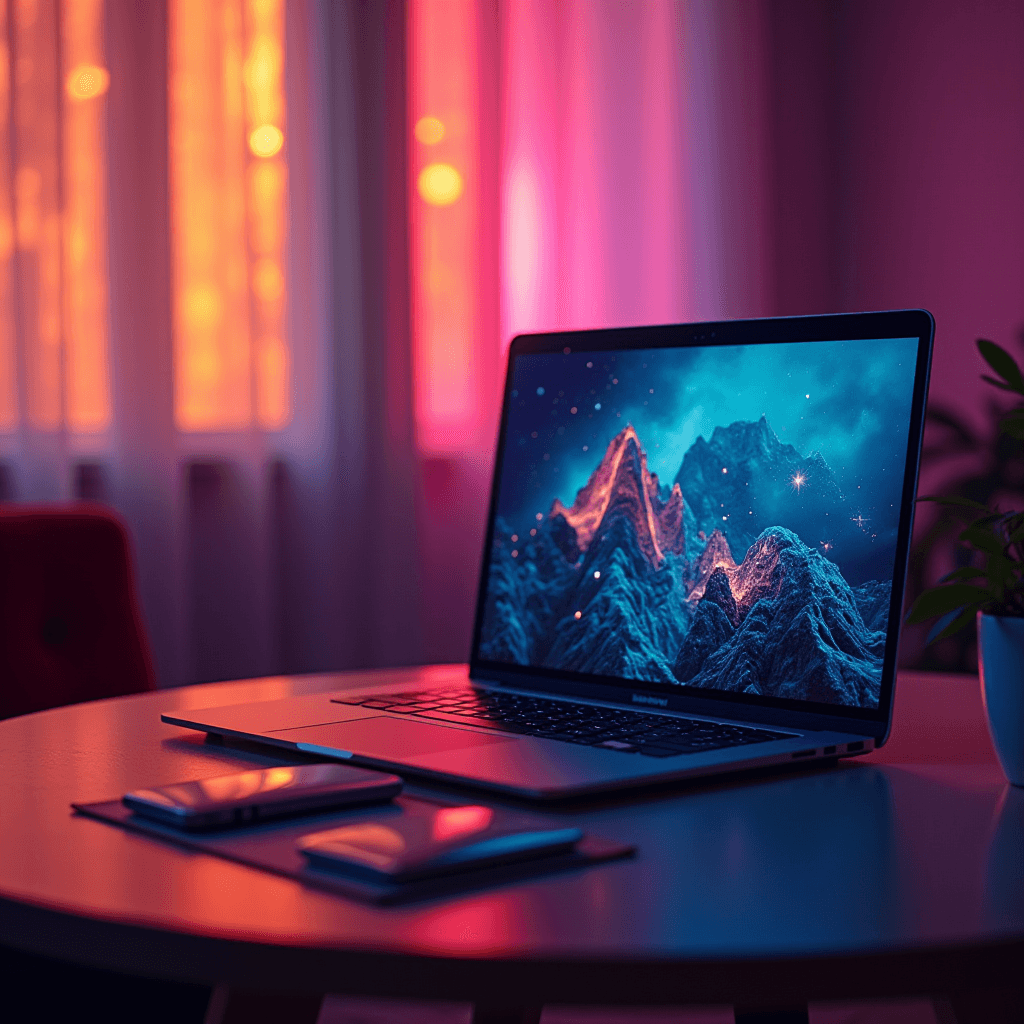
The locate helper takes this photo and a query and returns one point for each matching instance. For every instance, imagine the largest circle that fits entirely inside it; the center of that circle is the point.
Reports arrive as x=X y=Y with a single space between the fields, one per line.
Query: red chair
x=70 y=626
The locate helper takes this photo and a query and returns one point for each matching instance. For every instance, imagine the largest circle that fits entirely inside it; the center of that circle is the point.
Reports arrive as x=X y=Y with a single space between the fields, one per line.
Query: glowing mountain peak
x=755 y=577
x=621 y=484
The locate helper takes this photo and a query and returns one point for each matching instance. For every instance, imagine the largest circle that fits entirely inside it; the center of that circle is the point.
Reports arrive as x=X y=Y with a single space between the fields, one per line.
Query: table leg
x=231 y=1005
x=795 y=1015
x=484 y=1014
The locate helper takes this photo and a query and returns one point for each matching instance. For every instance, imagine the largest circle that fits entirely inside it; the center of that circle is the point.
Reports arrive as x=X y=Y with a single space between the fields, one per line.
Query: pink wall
x=900 y=156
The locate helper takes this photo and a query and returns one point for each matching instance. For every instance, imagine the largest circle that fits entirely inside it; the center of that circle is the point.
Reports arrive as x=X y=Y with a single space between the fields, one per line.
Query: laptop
x=694 y=564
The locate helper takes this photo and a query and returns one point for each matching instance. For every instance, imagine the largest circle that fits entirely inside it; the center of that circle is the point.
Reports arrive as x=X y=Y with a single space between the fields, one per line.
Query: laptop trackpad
x=389 y=739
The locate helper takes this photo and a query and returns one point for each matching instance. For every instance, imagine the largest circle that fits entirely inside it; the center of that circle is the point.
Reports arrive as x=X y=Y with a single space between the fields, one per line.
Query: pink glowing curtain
x=623 y=125
x=625 y=147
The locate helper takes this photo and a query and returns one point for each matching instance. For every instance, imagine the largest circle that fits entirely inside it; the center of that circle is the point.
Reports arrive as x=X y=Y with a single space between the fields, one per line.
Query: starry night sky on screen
x=848 y=400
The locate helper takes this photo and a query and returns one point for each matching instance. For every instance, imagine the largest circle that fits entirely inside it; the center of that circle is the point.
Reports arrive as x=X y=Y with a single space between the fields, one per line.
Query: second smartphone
x=265 y=793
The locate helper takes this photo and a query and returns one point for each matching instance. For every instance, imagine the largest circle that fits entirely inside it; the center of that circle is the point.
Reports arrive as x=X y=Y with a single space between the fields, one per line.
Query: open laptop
x=694 y=564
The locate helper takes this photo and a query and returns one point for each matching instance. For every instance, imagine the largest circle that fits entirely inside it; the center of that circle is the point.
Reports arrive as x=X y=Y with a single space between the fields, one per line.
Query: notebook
x=694 y=564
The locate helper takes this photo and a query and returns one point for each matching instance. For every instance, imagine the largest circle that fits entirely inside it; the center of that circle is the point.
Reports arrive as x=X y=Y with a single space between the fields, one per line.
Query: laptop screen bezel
x=914 y=323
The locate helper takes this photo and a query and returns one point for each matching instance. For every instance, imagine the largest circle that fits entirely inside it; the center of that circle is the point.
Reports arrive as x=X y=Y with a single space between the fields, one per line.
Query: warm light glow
x=440 y=184
x=8 y=345
x=266 y=140
x=798 y=480
x=444 y=194
x=263 y=71
x=229 y=214
x=201 y=307
x=429 y=131
x=86 y=341
x=267 y=198
x=267 y=280
x=267 y=184
x=53 y=223
x=456 y=822
x=86 y=81
x=35 y=142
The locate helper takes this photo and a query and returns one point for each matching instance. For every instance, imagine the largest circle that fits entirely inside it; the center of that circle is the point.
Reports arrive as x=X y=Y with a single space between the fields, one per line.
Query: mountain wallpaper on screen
x=749 y=569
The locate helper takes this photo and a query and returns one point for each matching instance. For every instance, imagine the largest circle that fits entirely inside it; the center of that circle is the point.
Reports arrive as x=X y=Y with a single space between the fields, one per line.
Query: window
x=229 y=177
x=54 y=336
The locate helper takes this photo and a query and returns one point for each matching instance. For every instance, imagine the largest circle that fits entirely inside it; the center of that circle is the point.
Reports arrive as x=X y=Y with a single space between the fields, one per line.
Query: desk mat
x=271 y=847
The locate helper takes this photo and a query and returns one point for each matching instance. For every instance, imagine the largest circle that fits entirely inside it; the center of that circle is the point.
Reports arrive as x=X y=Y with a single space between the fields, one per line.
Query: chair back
x=70 y=624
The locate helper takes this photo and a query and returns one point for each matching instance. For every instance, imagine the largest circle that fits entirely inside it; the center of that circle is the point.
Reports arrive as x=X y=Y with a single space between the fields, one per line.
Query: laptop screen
x=716 y=519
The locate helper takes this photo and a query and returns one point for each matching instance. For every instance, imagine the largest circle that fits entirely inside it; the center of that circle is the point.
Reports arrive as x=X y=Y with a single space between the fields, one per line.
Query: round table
x=893 y=875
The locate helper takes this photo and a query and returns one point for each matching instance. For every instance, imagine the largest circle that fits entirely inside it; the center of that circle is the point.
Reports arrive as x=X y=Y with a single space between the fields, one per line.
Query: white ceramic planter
x=1001 y=662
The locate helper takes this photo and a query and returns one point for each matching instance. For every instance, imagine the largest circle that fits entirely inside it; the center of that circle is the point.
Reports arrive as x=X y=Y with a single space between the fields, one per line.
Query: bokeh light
x=266 y=141
x=439 y=184
x=267 y=280
x=202 y=306
x=86 y=81
x=429 y=131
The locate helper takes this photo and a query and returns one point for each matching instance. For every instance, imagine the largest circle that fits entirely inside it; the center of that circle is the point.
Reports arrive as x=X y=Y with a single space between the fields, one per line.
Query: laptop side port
x=852 y=748
x=805 y=753
x=829 y=750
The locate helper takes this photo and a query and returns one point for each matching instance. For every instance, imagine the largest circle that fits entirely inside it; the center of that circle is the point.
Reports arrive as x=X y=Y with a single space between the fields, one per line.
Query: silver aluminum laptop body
x=697 y=529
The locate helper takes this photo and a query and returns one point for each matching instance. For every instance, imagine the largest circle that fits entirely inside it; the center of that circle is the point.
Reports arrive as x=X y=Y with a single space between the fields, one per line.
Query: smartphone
x=267 y=793
x=426 y=840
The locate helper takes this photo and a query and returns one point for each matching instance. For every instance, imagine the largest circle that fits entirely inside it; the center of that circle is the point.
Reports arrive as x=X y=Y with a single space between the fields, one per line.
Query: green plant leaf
x=965 y=618
x=998 y=384
x=1003 y=363
x=983 y=540
x=1013 y=424
x=1000 y=574
x=955 y=502
x=944 y=599
x=968 y=572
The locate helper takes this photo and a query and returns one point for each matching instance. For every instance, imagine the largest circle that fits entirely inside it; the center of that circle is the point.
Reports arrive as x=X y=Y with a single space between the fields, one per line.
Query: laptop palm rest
x=386 y=739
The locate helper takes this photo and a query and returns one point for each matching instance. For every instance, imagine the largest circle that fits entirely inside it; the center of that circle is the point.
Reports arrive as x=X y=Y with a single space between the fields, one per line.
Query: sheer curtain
x=631 y=186
x=634 y=163
x=622 y=167
x=260 y=546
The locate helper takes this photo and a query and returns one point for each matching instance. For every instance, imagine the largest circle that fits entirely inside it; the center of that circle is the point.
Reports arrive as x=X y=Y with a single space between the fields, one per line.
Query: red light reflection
x=455 y=822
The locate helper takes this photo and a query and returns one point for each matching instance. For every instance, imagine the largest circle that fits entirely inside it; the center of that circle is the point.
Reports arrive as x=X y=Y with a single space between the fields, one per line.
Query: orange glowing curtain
x=53 y=246
x=443 y=220
x=36 y=206
x=228 y=191
x=86 y=343
x=267 y=190
x=8 y=377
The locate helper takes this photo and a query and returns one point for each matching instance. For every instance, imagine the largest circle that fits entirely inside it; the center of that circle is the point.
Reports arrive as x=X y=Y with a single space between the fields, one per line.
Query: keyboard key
x=482 y=723
x=652 y=735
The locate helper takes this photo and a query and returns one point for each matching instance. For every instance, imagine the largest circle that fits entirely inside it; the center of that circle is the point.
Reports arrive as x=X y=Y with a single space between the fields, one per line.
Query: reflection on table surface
x=921 y=842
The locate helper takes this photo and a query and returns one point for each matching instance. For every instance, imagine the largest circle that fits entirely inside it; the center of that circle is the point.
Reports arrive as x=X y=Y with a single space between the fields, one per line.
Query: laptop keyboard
x=631 y=732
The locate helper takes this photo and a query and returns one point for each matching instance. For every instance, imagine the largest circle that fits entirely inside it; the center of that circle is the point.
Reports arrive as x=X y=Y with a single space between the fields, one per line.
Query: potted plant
x=990 y=590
